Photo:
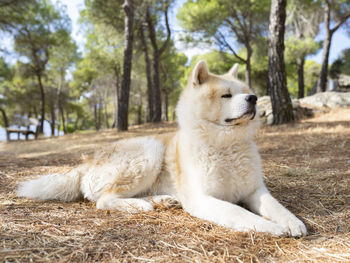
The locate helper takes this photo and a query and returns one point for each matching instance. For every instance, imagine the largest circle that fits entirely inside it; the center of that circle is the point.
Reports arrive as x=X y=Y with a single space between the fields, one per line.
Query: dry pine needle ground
x=306 y=167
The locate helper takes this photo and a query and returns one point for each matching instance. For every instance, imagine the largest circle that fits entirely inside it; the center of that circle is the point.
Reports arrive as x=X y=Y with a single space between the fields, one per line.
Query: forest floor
x=306 y=167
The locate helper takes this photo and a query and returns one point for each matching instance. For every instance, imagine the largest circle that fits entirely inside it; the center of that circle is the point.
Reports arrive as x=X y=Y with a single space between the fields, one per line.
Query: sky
x=340 y=41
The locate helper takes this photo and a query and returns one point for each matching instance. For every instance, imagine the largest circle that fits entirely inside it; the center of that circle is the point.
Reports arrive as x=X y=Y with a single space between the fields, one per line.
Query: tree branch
x=342 y=20
x=165 y=44
x=151 y=30
x=223 y=41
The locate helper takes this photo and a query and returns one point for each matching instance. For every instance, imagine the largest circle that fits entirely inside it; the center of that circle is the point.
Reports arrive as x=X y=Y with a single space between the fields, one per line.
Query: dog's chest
x=229 y=174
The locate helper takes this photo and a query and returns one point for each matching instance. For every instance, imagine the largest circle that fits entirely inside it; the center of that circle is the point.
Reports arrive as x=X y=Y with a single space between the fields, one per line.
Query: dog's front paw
x=294 y=227
x=273 y=229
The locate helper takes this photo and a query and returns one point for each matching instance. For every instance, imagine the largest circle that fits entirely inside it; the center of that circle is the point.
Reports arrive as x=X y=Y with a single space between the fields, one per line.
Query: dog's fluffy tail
x=63 y=187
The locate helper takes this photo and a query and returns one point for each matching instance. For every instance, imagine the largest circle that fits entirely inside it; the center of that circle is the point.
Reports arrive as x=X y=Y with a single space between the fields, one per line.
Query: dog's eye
x=226 y=96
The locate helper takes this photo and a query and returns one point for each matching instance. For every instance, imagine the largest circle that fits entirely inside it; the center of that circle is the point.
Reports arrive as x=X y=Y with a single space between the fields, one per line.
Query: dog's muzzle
x=251 y=111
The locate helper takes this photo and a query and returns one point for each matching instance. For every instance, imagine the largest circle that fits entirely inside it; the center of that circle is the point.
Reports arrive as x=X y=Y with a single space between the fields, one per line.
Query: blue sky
x=340 y=39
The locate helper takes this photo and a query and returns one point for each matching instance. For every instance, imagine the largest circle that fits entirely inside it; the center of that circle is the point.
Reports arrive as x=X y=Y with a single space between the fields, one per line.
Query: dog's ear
x=234 y=71
x=200 y=74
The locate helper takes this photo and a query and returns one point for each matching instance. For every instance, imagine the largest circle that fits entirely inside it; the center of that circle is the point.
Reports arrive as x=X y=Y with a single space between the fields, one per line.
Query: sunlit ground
x=306 y=167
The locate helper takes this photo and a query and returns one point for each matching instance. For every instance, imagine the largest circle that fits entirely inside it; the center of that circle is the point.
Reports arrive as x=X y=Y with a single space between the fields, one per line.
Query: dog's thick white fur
x=209 y=165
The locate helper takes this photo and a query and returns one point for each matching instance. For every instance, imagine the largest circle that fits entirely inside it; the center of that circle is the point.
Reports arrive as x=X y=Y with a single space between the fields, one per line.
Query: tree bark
x=123 y=102
x=139 y=111
x=248 y=68
x=106 y=114
x=42 y=95
x=4 y=116
x=96 y=117
x=300 y=69
x=280 y=99
x=99 y=114
x=150 y=94
x=165 y=105
x=156 y=57
x=157 y=99
x=52 y=111
x=59 y=104
x=6 y=122
x=322 y=79
x=116 y=94
x=62 y=117
x=165 y=92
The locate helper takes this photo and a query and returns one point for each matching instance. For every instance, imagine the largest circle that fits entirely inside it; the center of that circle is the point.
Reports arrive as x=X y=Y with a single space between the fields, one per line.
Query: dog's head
x=219 y=100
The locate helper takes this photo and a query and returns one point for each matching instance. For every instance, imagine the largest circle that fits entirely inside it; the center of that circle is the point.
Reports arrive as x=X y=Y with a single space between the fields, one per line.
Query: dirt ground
x=306 y=167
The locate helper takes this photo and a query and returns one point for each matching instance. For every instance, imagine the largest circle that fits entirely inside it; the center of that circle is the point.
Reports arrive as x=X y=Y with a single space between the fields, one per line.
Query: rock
x=304 y=108
x=265 y=110
x=269 y=119
x=328 y=99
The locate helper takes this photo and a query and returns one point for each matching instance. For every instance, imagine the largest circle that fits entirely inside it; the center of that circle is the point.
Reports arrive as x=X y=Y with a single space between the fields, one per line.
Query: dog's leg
x=165 y=200
x=229 y=215
x=131 y=205
x=262 y=202
x=120 y=197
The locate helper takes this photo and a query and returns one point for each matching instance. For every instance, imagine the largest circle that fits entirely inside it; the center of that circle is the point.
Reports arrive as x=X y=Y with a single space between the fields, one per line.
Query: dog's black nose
x=251 y=99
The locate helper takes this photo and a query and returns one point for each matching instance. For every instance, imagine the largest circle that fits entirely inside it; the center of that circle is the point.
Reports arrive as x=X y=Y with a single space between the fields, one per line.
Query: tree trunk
x=300 y=69
x=67 y=119
x=42 y=94
x=157 y=52
x=62 y=117
x=100 y=114
x=281 y=102
x=139 y=111
x=6 y=122
x=52 y=110
x=116 y=94
x=164 y=95
x=123 y=103
x=150 y=94
x=322 y=78
x=248 y=68
x=165 y=105
x=157 y=99
x=96 y=117
x=76 y=123
x=4 y=116
x=106 y=114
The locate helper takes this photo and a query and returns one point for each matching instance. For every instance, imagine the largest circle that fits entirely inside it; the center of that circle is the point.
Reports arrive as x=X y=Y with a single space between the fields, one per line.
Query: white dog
x=209 y=165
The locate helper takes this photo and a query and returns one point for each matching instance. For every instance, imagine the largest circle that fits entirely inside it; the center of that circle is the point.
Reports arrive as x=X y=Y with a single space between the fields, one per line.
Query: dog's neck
x=215 y=136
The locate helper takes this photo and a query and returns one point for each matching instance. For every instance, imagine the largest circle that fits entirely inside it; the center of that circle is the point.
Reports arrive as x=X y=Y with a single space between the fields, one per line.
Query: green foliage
x=299 y=48
x=108 y=12
x=11 y=13
x=341 y=65
x=5 y=70
x=202 y=16
x=63 y=54
x=218 y=63
x=84 y=74
x=224 y=21
x=311 y=72
x=39 y=30
x=173 y=67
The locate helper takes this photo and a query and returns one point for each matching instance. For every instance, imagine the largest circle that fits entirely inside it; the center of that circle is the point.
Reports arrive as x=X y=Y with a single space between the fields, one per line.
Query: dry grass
x=306 y=166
